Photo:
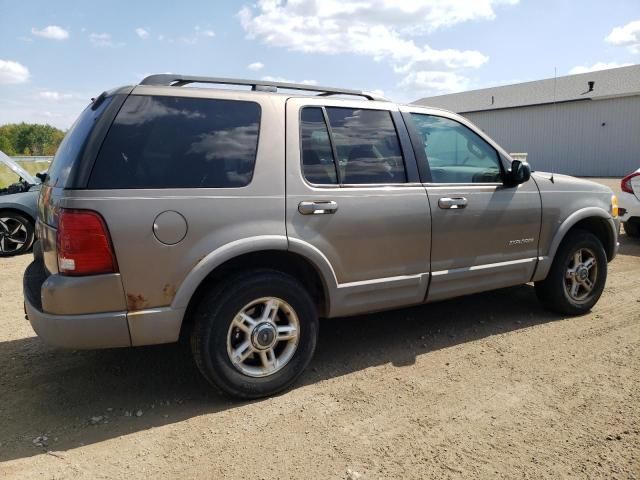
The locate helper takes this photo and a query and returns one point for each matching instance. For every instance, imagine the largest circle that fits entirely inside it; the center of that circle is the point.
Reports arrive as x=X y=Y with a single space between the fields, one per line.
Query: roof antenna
x=553 y=134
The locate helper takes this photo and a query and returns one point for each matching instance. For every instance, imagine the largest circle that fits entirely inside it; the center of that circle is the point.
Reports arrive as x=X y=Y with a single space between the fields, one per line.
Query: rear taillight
x=625 y=183
x=84 y=245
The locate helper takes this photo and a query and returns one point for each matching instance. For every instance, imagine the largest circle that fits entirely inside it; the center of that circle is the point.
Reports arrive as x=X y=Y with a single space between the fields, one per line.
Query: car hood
x=566 y=183
x=17 y=169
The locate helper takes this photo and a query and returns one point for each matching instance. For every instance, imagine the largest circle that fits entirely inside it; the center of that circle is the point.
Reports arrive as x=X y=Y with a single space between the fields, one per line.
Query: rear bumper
x=76 y=328
x=84 y=331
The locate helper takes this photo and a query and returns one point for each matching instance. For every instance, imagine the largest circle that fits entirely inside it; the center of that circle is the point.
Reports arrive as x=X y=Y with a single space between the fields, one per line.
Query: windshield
x=18 y=170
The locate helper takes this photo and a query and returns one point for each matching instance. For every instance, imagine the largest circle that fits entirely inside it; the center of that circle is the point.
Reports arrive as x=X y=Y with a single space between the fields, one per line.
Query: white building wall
x=599 y=138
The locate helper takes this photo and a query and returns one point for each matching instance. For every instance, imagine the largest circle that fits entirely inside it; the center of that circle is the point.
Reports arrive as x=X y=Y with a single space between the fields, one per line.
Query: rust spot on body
x=136 y=302
x=168 y=292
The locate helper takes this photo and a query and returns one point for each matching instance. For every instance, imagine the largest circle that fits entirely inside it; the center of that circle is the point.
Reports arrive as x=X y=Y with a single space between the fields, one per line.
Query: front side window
x=179 y=142
x=455 y=153
x=367 y=146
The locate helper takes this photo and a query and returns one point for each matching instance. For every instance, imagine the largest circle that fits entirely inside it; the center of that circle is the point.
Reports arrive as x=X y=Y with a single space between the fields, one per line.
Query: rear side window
x=367 y=146
x=317 y=156
x=74 y=141
x=174 y=142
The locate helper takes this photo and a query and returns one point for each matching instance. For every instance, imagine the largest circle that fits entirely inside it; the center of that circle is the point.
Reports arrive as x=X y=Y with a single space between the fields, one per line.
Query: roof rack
x=173 y=80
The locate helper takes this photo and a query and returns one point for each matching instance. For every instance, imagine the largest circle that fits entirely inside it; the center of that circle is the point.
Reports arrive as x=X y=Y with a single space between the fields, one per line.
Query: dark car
x=18 y=210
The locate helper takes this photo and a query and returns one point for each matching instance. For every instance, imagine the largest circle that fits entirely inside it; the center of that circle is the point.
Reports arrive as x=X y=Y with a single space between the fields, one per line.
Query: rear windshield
x=177 y=142
x=71 y=147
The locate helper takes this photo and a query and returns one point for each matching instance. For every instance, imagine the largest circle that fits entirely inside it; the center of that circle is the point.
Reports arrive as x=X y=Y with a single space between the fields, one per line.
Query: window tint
x=72 y=145
x=455 y=153
x=317 y=156
x=367 y=146
x=171 y=142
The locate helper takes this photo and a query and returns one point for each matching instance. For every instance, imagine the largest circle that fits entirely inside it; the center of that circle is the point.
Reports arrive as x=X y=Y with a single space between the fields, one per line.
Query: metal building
x=590 y=127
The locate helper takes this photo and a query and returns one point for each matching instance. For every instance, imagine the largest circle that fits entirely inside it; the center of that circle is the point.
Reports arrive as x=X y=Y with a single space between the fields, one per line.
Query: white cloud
x=13 y=72
x=269 y=78
x=52 y=32
x=192 y=39
x=628 y=35
x=435 y=83
x=103 y=40
x=142 y=33
x=597 y=66
x=205 y=32
x=383 y=30
x=55 y=96
x=332 y=27
x=255 y=66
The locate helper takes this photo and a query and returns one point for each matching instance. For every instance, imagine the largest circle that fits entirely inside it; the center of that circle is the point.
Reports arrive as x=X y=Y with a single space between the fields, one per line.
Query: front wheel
x=255 y=334
x=577 y=276
x=16 y=234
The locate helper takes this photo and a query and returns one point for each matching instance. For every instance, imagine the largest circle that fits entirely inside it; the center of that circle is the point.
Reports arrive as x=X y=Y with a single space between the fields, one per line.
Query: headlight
x=614 y=206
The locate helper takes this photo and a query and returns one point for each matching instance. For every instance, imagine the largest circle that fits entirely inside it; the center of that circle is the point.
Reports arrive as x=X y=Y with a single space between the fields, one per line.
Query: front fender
x=545 y=262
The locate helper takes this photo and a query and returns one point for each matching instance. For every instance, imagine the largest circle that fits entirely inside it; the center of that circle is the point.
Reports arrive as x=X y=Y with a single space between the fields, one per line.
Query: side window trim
x=406 y=145
x=422 y=157
x=334 y=150
x=418 y=148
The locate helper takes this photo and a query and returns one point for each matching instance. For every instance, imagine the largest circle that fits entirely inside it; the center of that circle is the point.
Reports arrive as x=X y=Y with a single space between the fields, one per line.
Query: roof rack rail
x=171 y=80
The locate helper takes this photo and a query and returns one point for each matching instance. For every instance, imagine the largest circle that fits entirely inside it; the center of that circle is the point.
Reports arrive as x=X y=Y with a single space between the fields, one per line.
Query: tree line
x=30 y=139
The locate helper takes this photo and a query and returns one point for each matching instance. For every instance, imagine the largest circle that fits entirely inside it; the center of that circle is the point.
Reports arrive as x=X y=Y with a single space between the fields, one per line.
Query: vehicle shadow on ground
x=44 y=391
x=629 y=246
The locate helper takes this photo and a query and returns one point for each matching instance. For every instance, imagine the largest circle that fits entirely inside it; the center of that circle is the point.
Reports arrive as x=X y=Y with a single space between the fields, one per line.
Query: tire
x=219 y=335
x=632 y=228
x=556 y=291
x=16 y=233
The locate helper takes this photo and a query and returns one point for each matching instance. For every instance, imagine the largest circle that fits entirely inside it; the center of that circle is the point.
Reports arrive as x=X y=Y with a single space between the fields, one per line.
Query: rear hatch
x=71 y=168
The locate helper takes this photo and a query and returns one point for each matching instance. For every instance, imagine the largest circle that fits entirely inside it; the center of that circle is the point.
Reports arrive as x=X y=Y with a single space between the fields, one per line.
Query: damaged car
x=18 y=209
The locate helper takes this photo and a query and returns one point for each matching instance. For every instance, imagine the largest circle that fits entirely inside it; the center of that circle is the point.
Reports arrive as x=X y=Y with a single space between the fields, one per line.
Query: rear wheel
x=577 y=277
x=632 y=228
x=16 y=234
x=255 y=334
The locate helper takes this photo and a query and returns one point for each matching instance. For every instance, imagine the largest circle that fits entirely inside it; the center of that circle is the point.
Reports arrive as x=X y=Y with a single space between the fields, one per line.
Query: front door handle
x=452 y=202
x=317 y=208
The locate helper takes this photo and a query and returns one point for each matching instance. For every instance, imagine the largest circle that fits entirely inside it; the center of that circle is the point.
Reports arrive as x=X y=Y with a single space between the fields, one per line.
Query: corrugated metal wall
x=589 y=138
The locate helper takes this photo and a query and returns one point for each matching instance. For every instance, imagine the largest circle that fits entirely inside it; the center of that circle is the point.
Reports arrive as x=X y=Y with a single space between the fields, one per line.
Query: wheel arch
x=17 y=208
x=271 y=254
x=592 y=219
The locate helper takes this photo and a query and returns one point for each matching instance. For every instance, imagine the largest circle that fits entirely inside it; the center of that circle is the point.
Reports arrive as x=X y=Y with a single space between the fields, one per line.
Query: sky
x=56 y=55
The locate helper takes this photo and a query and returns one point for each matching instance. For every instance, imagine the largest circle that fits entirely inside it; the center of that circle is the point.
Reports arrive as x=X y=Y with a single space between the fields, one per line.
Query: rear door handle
x=452 y=202
x=317 y=208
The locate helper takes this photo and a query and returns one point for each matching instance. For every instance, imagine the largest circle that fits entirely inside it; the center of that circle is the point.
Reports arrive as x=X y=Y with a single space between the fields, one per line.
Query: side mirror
x=520 y=172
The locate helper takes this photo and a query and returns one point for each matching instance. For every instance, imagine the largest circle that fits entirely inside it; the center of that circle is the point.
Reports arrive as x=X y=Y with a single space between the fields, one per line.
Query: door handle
x=317 y=208
x=453 y=203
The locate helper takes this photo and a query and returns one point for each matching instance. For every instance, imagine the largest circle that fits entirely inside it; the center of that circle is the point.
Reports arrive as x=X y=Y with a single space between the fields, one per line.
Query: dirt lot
x=487 y=386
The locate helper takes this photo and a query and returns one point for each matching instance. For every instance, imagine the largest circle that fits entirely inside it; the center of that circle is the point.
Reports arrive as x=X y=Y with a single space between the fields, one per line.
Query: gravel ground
x=487 y=386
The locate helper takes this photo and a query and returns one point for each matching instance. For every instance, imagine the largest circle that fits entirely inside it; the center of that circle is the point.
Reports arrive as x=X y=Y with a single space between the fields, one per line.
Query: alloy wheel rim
x=263 y=336
x=13 y=234
x=581 y=274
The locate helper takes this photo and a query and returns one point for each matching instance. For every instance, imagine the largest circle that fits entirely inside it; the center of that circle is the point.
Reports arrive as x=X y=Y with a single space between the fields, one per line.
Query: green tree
x=30 y=139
